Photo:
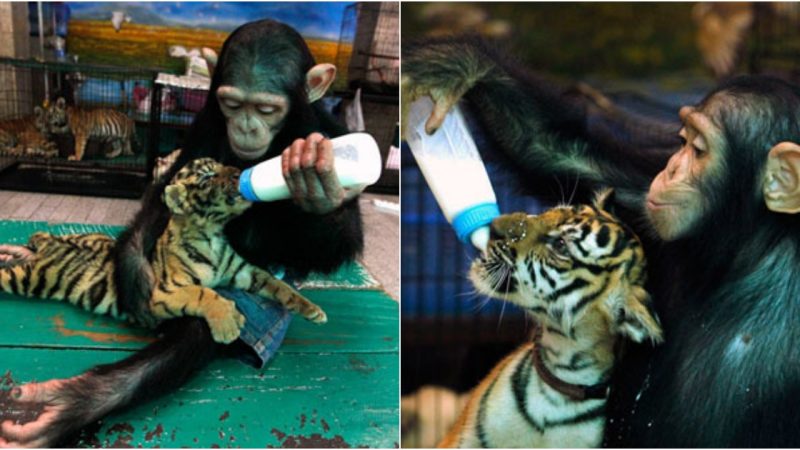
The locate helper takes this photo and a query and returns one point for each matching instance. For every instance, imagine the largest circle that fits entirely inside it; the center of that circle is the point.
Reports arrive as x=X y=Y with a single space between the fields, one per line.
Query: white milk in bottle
x=357 y=161
x=453 y=169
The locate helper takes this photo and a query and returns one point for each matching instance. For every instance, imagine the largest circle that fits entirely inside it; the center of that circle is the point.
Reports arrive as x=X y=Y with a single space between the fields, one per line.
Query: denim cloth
x=267 y=322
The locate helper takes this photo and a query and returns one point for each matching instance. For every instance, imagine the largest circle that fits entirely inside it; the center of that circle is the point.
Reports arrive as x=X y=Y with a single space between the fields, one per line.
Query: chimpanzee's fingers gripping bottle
x=357 y=162
x=451 y=165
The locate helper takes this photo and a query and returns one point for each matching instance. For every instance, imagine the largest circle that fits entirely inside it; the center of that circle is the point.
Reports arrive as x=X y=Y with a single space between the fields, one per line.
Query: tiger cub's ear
x=603 y=199
x=637 y=319
x=175 y=198
x=61 y=103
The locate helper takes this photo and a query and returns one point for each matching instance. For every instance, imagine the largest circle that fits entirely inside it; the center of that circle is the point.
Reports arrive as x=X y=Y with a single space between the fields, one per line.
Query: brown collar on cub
x=576 y=392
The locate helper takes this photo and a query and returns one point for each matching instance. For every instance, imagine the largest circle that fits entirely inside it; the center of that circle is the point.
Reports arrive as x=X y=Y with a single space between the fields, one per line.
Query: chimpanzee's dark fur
x=728 y=374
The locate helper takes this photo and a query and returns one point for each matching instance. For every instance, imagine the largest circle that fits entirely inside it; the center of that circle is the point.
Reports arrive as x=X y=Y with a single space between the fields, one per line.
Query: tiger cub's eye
x=560 y=246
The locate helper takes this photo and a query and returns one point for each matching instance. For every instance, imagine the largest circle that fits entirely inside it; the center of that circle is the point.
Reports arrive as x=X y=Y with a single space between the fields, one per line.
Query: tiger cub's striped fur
x=580 y=273
x=191 y=257
x=25 y=137
x=112 y=129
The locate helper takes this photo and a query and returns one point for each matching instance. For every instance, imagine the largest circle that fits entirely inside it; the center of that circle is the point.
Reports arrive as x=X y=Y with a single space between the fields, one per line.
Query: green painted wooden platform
x=334 y=385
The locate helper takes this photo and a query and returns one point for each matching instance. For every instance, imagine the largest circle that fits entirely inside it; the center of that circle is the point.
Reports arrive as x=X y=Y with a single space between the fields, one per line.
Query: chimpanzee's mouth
x=248 y=153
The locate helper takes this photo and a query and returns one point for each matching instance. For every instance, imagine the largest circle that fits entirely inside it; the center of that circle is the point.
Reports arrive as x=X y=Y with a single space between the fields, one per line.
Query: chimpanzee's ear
x=318 y=79
x=175 y=199
x=781 y=186
x=211 y=59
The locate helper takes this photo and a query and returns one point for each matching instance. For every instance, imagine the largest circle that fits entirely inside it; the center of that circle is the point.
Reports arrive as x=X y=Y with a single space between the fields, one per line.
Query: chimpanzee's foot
x=57 y=417
x=11 y=255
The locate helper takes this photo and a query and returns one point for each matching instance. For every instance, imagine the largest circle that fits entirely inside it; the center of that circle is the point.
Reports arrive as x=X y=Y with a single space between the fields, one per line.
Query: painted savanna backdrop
x=148 y=30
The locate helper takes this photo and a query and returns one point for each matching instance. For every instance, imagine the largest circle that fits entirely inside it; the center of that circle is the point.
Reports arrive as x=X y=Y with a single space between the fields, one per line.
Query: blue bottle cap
x=246 y=187
x=474 y=217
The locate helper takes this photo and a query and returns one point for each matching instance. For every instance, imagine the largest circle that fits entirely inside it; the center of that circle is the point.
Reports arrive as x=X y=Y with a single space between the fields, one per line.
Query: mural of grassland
x=144 y=41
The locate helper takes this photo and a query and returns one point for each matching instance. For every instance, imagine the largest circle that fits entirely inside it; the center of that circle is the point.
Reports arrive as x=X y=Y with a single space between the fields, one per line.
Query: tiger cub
x=24 y=137
x=103 y=125
x=191 y=257
x=580 y=273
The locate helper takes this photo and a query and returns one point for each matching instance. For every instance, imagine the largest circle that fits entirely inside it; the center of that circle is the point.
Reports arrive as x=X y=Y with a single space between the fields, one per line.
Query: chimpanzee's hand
x=311 y=176
x=444 y=71
x=59 y=415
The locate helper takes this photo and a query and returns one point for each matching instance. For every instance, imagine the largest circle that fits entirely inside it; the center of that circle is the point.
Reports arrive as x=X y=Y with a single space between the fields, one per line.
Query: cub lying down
x=191 y=257
x=580 y=273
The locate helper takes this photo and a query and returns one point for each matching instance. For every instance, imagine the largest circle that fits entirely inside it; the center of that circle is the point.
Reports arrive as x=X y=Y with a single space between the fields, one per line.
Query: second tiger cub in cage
x=24 y=137
x=580 y=273
x=110 y=128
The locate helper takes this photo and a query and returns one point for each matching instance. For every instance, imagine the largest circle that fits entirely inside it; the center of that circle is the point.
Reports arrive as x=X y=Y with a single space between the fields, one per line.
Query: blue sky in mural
x=313 y=19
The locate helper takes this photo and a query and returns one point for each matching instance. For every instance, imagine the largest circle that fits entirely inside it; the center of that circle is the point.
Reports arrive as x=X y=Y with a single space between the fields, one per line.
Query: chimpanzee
x=719 y=223
x=261 y=104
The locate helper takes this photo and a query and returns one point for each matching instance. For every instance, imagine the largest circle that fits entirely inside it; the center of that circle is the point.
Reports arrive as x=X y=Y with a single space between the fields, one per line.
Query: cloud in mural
x=117 y=18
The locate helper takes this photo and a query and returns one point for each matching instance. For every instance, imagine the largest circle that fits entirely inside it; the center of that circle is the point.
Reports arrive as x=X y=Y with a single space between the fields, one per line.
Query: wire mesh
x=775 y=43
x=369 y=49
x=369 y=44
x=33 y=158
x=181 y=98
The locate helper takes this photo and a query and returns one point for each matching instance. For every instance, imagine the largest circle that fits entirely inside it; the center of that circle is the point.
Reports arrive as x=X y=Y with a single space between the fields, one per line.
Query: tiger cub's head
x=205 y=191
x=571 y=266
x=53 y=118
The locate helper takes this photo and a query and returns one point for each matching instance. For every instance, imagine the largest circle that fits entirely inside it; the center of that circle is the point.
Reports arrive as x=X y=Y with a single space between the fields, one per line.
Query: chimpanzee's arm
x=281 y=233
x=546 y=128
x=133 y=274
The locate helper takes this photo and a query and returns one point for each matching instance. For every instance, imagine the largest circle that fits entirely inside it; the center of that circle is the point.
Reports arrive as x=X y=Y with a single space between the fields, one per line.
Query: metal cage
x=368 y=52
x=369 y=45
x=775 y=43
x=26 y=84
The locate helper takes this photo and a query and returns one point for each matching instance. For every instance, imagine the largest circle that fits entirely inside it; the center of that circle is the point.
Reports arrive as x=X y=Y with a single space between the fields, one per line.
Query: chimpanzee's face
x=253 y=119
x=677 y=201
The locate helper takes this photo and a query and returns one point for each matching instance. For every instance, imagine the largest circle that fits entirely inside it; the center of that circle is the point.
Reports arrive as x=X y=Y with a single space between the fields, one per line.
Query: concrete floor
x=381 y=229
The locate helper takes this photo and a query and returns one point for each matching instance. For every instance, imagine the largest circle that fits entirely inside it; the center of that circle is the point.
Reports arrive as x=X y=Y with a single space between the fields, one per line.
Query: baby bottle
x=357 y=161
x=453 y=169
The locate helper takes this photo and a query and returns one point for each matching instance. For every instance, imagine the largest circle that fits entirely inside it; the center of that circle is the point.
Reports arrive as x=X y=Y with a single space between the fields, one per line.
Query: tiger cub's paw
x=307 y=309
x=316 y=315
x=298 y=304
x=226 y=323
